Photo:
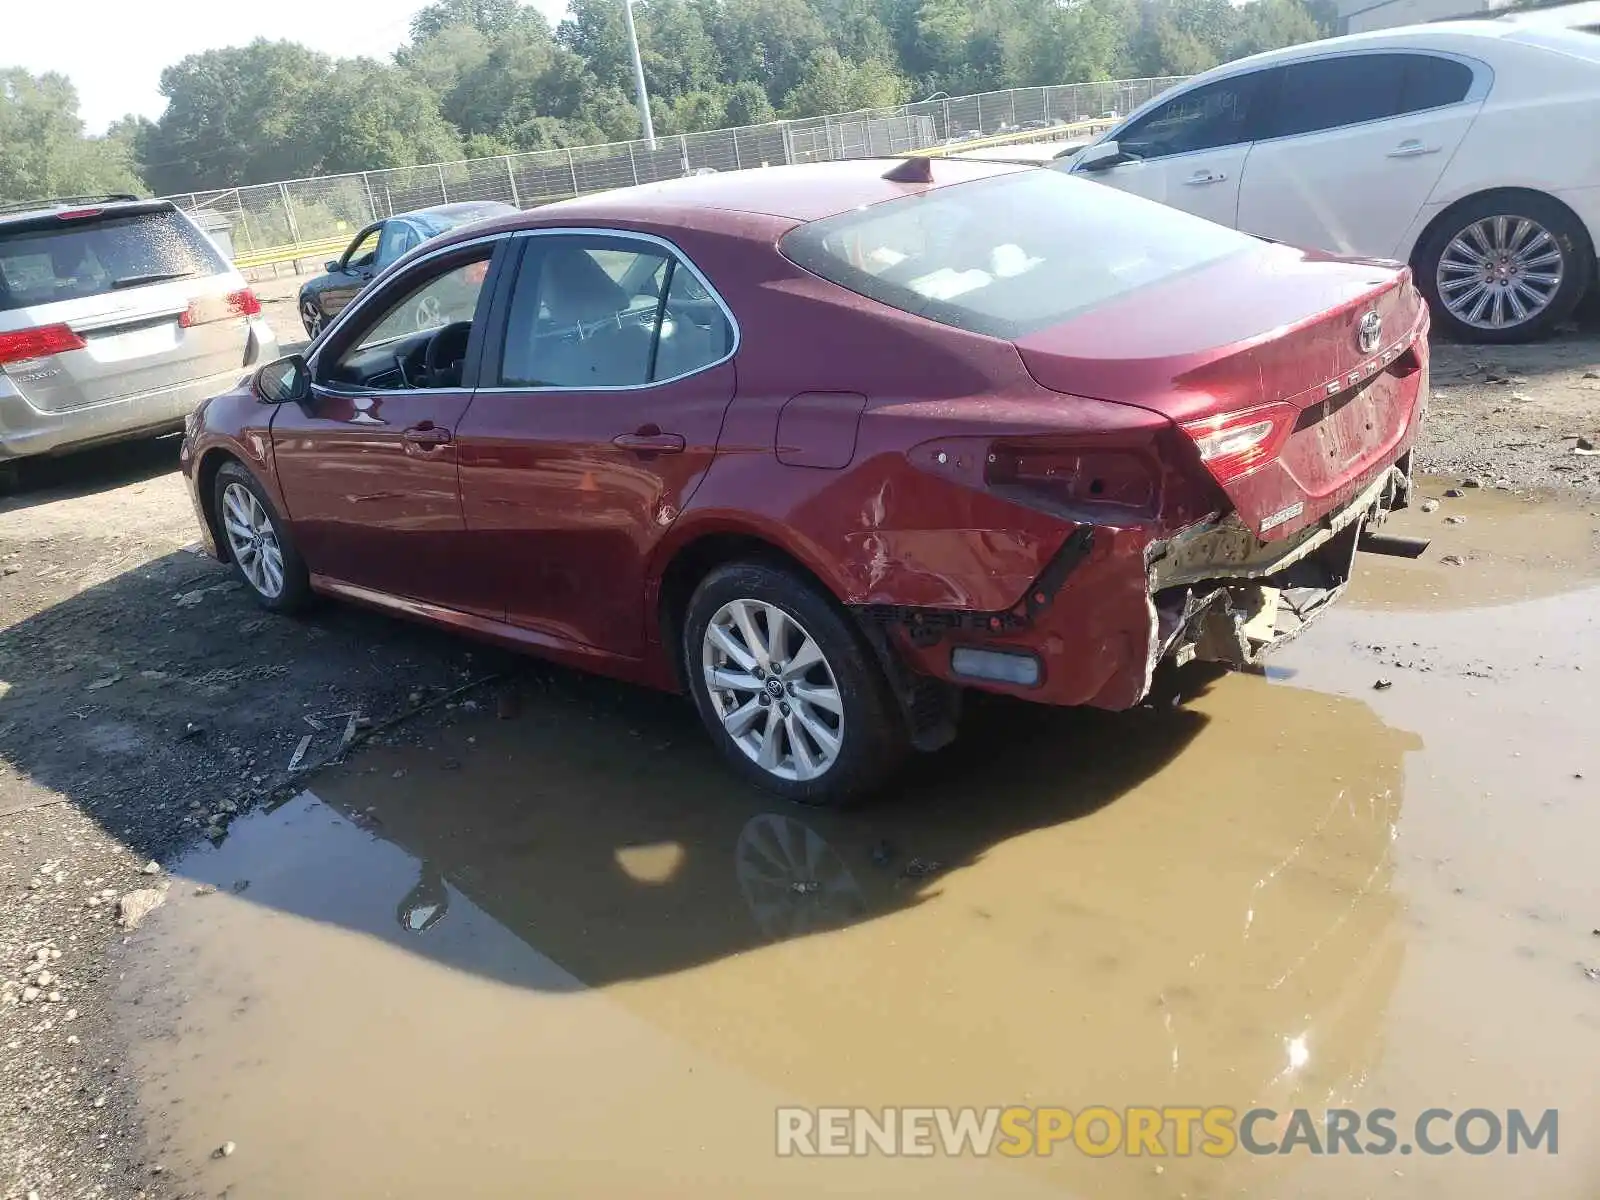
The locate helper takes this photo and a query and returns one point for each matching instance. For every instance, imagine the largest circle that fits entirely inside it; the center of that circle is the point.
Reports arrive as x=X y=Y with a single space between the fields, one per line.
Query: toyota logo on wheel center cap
x=774 y=686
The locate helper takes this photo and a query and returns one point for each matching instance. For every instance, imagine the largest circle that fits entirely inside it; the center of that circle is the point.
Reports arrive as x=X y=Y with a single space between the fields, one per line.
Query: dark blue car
x=378 y=245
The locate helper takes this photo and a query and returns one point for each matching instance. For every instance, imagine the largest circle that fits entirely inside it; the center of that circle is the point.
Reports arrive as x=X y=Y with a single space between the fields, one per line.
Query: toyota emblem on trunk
x=1370 y=332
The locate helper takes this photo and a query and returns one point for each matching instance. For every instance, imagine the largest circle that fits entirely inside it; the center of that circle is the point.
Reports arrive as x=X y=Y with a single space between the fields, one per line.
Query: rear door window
x=1009 y=255
x=1328 y=93
x=48 y=260
x=398 y=237
x=1433 y=82
x=598 y=312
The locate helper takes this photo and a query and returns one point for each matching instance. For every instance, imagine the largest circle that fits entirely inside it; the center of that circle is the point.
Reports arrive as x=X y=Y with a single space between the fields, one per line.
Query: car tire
x=1559 y=245
x=311 y=316
x=259 y=544
x=781 y=731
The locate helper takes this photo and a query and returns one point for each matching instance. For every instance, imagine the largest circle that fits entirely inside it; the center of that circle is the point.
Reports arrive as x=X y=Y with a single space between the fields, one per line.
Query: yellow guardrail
x=1022 y=136
x=273 y=255
x=269 y=255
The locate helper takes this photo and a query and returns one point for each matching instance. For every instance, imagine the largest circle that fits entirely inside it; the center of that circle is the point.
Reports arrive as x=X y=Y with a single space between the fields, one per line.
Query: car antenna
x=918 y=168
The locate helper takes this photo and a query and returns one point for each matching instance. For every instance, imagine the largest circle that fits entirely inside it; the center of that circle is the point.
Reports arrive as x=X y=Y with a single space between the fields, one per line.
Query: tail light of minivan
x=40 y=342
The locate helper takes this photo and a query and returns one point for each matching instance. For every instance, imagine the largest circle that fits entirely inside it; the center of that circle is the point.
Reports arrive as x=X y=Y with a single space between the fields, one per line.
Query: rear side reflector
x=999 y=666
x=1234 y=444
x=37 y=343
x=242 y=303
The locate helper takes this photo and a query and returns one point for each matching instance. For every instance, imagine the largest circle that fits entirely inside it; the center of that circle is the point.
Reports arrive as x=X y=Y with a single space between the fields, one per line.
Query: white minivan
x=1469 y=149
x=118 y=317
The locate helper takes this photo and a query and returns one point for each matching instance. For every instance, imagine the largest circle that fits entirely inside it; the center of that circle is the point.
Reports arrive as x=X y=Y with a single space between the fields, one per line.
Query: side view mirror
x=333 y=266
x=287 y=379
x=1101 y=157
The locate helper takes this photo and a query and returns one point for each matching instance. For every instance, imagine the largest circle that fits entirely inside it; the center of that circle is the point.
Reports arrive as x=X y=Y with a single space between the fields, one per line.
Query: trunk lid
x=1322 y=361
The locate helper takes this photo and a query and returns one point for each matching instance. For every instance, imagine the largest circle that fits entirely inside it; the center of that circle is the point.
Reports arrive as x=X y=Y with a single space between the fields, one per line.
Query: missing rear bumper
x=1221 y=597
x=1240 y=621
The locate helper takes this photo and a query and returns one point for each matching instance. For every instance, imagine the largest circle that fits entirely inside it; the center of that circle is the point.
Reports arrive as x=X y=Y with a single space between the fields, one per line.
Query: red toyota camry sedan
x=827 y=445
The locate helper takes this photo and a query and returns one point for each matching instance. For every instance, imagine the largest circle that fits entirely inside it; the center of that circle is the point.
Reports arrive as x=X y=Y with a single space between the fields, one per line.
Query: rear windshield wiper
x=128 y=281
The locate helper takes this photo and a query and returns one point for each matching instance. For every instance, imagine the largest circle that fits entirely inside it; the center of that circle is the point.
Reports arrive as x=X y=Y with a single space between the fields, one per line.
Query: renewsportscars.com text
x=1179 y=1131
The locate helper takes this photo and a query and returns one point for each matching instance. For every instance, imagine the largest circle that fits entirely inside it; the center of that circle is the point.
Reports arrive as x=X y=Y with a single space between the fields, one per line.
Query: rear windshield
x=1008 y=255
x=51 y=260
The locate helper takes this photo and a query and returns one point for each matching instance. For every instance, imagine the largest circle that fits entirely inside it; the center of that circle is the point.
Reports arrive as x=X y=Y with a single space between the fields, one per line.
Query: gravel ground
x=1521 y=415
x=145 y=700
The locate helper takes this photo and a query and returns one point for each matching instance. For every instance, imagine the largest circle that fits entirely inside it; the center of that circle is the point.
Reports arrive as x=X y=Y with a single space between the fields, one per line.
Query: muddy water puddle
x=565 y=955
x=1509 y=548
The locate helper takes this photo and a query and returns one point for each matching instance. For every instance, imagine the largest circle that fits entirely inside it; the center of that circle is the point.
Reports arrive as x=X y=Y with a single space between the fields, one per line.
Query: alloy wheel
x=428 y=314
x=311 y=317
x=1500 y=272
x=772 y=688
x=253 y=540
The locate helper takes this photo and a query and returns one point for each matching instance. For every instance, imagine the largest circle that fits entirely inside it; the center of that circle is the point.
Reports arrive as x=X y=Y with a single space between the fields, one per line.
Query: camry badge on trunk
x=1370 y=332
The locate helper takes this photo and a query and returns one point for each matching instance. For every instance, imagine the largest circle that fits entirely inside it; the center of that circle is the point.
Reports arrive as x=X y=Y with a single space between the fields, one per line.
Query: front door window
x=419 y=338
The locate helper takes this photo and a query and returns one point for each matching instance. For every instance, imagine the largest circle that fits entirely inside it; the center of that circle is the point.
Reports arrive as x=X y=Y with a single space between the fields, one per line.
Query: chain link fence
x=278 y=222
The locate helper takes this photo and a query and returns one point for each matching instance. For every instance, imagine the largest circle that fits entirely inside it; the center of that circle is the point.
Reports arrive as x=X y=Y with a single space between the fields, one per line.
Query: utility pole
x=638 y=76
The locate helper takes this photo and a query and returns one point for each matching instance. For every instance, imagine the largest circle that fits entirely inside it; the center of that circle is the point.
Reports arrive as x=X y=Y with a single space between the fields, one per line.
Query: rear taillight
x=242 y=303
x=1074 y=475
x=37 y=343
x=1236 y=443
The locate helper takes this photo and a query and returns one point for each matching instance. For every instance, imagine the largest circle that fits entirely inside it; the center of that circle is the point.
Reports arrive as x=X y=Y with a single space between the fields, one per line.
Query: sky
x=114 y=50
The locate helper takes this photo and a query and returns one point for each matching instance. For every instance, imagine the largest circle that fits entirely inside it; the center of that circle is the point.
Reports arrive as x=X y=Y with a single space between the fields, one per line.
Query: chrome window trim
x=365 y=299
x=1482 y=85
x=682 y=260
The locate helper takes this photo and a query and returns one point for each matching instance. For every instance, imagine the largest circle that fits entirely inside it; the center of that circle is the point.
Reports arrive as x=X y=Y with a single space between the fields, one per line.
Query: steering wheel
x=446 y=349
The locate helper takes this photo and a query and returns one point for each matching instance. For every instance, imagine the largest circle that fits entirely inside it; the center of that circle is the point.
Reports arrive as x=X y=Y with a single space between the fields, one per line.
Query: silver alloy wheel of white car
x=253 y=540
x=773 y=690
x=428 y=314
x=1500 y=272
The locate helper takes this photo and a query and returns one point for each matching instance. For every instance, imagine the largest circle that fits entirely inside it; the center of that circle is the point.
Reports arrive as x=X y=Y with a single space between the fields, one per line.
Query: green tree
x=441 y=60
x=525 y=80
x=489 y=17
x=833 y=84
x=239 y=115
x=771 y=41
x=678 y=54
x=1049 y=44
x=857 y=29
x=690 y=113
x=748 y=104
x=944 y=31
x=594 y=31
x=43 y=151
x=375 y=115
x=1270 y=24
